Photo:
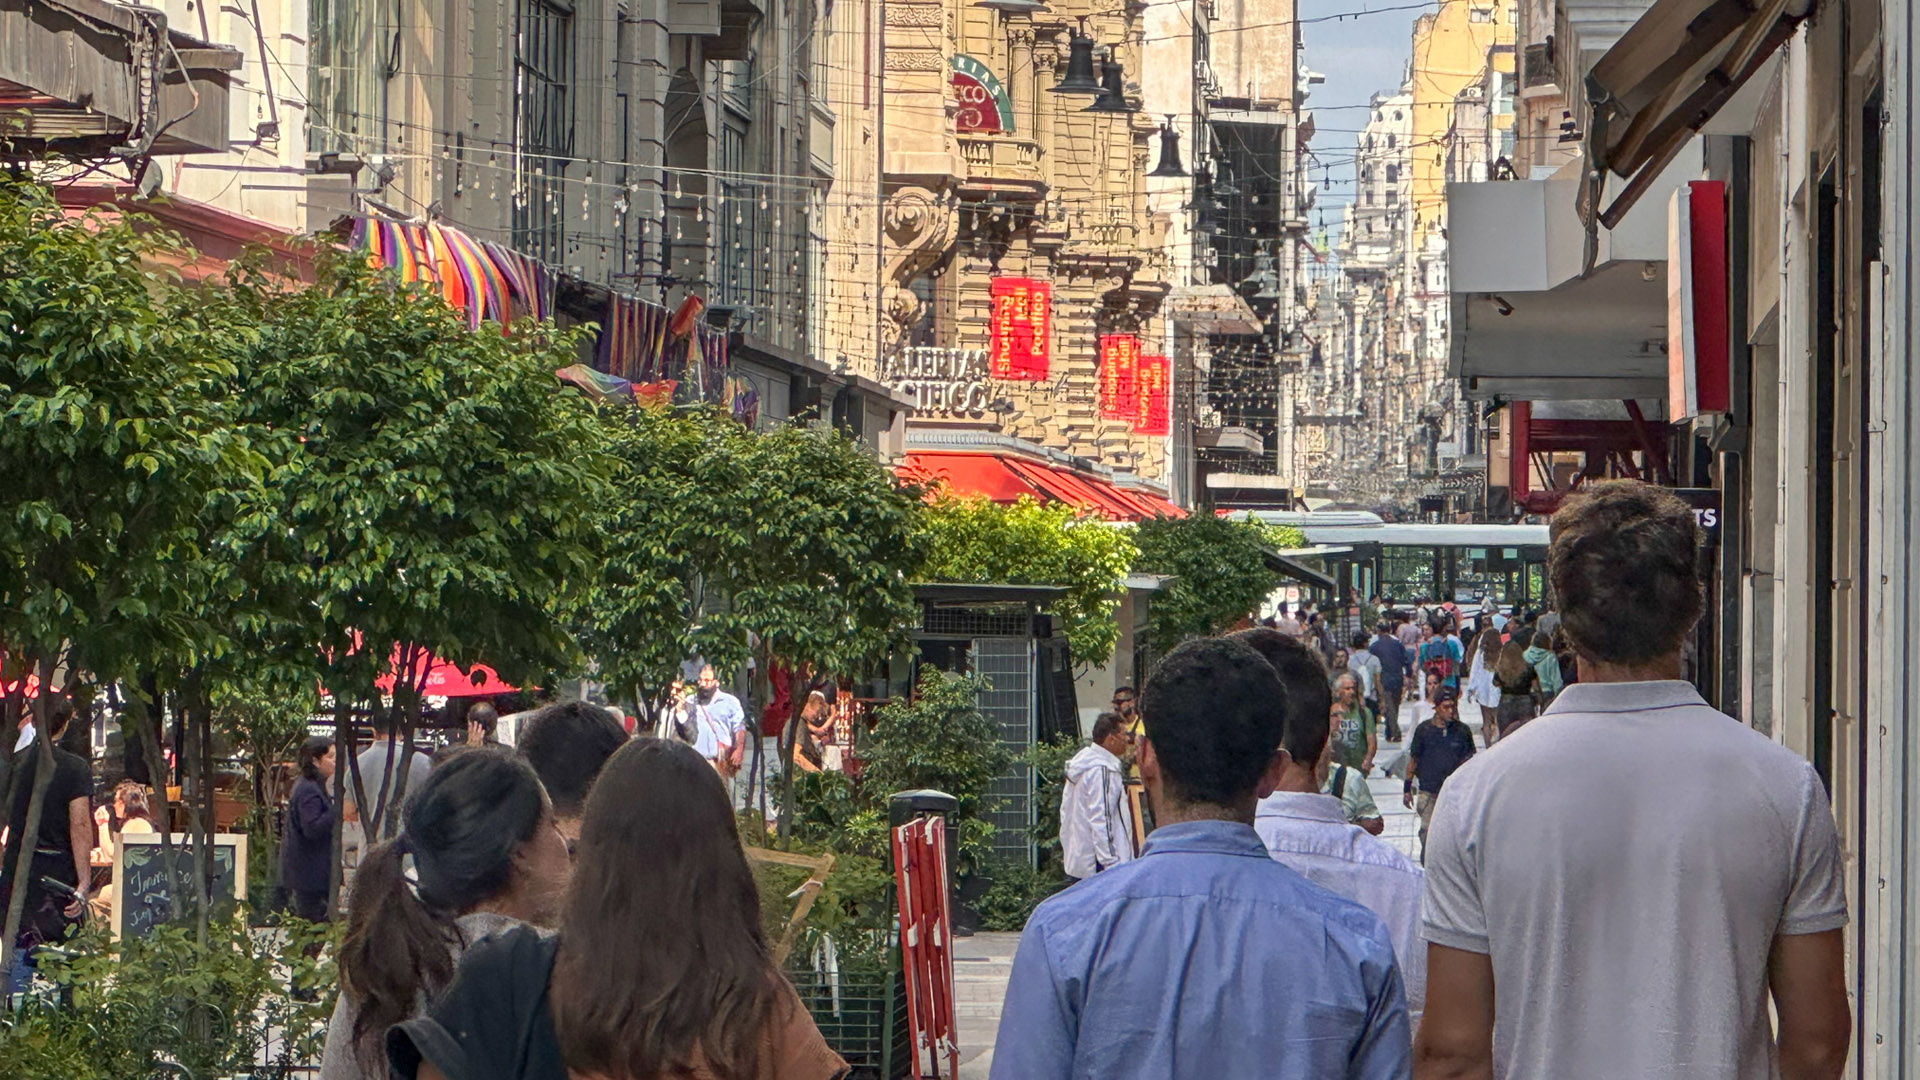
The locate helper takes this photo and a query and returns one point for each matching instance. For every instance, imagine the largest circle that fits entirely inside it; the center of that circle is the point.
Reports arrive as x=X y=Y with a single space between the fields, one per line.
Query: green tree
x=795 y=535
x=975 y=541
x=432 y=488
x=938 y=739
x=792 y=543
x=116 y=438
x=1218 y=571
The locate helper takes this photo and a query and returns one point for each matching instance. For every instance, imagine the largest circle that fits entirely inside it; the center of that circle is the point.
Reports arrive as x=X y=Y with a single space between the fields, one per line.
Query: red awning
x=969 y=474
x=1067 y=487
x=448 y=680
x=1004 y=478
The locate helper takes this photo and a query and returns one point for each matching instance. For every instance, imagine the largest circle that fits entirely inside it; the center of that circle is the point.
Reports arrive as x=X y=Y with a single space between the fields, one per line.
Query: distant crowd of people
x=1592 y=903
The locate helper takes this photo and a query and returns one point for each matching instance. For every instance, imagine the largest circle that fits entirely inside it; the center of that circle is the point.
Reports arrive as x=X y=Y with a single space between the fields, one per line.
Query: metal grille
x=1006 y=663
x=975 y=622
x=542 y=125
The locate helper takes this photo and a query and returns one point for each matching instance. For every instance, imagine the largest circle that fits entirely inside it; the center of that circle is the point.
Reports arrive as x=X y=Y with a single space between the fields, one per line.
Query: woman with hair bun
x=478 y=854
x=661 y=968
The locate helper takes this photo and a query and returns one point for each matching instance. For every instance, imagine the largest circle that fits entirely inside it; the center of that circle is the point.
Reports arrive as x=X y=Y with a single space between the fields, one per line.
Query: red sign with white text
x=1119 y=377
x=1022 y=312
x=1154 y=414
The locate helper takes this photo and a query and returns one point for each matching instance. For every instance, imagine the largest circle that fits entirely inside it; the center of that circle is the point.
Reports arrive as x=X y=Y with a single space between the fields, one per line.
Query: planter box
x=869 y=1028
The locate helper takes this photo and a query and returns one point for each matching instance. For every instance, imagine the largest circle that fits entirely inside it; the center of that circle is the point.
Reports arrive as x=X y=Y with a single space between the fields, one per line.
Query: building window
x=542 y=125
x=1392 y=141
x=1393 y=174
x=738 y=261
x=1397 y=114
x=1393 y=197
x=1479 y=15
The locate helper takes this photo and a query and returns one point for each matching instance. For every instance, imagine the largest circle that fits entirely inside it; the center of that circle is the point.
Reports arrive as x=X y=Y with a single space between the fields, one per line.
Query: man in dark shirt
x=1440 y=746
x=61 y=844
x=1395 y=664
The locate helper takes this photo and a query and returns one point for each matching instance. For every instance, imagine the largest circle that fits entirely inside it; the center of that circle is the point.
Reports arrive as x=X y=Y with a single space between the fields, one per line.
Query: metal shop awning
x=1666 y=77
x=1298 y=571
x=96 y=77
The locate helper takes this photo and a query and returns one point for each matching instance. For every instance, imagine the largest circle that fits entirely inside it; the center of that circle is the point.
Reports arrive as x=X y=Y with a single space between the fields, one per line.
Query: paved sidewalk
x=982 y=965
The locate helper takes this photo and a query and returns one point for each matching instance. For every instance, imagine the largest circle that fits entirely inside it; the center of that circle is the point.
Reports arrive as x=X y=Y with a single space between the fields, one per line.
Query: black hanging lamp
x=1079 y=77
x=1113 y=89
x=1169 y=152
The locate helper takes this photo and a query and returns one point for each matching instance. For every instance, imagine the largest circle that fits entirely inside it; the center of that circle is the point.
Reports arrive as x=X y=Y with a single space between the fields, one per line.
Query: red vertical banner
x=1153 y=414
x=1119 y=376
x=1018 y=337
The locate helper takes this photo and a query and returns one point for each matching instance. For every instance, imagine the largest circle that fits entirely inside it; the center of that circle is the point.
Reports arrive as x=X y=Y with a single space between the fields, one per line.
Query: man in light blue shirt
x=1205 y=958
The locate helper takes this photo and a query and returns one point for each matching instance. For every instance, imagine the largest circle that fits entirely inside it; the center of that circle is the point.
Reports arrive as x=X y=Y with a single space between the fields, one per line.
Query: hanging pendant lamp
x=1169 y=152
x=1113 y=90
x=1079 y=77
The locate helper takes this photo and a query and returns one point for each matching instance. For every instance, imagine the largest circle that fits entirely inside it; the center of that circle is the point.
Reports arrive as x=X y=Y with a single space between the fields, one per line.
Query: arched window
x=1393 y=174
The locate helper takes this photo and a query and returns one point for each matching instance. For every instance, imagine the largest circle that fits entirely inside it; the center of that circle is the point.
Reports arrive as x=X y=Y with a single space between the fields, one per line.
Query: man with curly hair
x=1619 y=887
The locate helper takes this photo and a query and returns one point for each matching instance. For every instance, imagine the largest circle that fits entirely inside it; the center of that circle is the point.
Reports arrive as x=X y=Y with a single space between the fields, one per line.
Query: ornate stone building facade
x=989 y=174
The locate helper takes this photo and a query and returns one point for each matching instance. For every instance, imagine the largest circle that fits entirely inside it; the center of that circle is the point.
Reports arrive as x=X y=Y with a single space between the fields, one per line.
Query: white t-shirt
x=1626 y=861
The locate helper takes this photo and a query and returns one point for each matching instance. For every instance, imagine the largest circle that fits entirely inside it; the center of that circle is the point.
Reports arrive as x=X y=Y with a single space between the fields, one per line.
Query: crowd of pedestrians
x=1592 y=904
x=578 y=907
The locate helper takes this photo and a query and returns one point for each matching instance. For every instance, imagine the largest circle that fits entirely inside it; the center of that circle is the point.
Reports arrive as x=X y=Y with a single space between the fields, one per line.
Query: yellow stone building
x=969 y=167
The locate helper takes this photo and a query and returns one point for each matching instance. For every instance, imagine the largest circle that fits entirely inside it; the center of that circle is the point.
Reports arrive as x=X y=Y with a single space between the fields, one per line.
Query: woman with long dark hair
x=661 y=968
x=1517 y=682
x=306 y=843
x=478 y=854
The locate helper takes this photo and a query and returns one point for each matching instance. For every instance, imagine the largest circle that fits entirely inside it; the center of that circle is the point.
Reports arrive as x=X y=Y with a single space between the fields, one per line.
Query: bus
x=1369 y=556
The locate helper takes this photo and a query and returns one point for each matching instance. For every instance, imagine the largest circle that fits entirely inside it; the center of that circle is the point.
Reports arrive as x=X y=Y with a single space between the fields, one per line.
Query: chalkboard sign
x=140 y=897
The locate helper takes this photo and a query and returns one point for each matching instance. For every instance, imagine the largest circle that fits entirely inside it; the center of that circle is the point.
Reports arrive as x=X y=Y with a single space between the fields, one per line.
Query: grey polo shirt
x=1626 y=861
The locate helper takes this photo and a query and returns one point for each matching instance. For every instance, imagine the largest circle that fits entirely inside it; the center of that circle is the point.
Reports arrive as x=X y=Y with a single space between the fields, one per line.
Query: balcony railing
x=1003 y=162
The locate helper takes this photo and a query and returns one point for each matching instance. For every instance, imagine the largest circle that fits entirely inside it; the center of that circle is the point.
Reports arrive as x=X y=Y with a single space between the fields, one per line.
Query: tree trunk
x=199 y=729
x=392 y=823
x=146 y=715
x=30 y=828
x=342 y=745
x=789 y=738
x=23 y=856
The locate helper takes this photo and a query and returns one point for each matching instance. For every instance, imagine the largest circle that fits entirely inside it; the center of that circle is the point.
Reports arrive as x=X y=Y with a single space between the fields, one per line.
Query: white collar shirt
x=1309 y=835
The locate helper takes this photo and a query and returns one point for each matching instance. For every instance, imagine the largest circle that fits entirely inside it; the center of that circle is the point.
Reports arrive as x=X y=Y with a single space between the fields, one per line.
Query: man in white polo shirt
x=1615 y=890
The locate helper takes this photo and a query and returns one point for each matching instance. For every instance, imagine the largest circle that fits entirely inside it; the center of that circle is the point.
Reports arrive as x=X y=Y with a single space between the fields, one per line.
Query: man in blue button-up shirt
x=1205 y=958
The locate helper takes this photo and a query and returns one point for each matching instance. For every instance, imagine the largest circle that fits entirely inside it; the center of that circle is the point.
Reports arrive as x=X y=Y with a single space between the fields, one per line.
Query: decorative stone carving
x=902 y=60
x=920 y=230
x=916 y=15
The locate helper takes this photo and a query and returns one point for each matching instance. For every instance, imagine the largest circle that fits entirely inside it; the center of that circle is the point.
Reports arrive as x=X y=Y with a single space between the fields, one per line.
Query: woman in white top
x=1480 y=686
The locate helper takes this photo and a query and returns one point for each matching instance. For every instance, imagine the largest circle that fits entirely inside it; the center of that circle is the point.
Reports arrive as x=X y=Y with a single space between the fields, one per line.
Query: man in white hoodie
x=1096 y=817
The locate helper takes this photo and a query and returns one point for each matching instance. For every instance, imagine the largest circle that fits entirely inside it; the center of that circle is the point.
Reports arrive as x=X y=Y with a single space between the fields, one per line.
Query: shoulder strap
x=1340 y=781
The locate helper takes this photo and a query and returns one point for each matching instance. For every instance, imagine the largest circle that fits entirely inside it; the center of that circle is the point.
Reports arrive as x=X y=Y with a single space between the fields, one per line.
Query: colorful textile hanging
x=529 y=282
x=597 y=384
x=632 y=336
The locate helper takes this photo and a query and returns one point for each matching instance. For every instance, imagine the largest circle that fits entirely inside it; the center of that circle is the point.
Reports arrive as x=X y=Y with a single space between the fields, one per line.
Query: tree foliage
x=115 y=432
x=430 y=486
x=795 y=535
x=976 y=541
x=1218 y=571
